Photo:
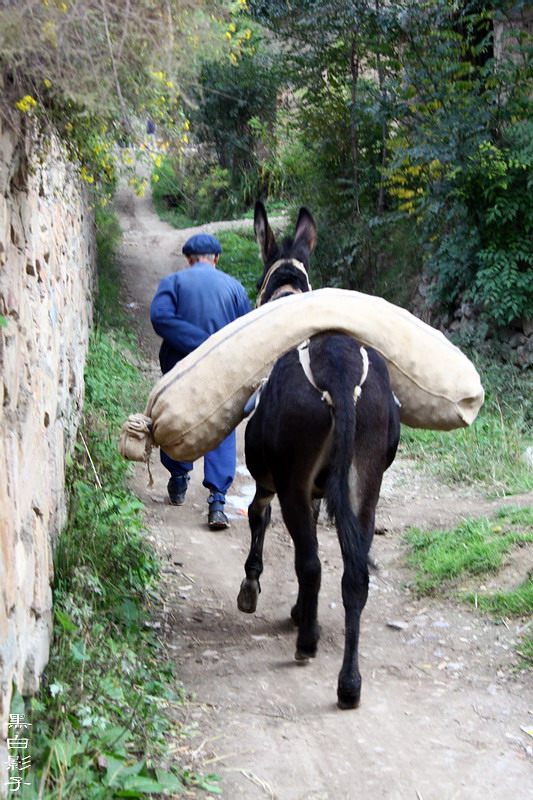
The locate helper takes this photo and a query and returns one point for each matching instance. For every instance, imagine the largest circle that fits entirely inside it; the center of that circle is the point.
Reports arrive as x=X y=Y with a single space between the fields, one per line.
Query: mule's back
x=290 y=437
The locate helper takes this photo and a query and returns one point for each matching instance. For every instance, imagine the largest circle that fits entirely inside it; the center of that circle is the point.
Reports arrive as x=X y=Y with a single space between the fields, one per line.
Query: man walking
x=188 y=307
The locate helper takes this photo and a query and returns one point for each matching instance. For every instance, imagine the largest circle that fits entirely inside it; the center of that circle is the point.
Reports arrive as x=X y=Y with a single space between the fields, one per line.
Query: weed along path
x=443 y=704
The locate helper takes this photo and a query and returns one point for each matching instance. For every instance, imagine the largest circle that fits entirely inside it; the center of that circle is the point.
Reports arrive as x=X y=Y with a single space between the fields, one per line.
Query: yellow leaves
x=139 y=185
x=61 y=5
x=47 y=83
x=409 y=207
x=186 y=125
x=85 y=175
x=403 y=193
x=26 y=104
x=435 y=168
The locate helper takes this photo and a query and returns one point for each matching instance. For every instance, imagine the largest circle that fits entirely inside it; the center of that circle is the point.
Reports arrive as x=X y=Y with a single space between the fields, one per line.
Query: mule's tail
x=344 y=393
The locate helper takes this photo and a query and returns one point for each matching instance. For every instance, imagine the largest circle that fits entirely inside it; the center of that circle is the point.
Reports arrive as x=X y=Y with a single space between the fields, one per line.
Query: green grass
x=515 y=602
x=474 y=548
x=240 y=258
x=491 y=453
x=176 y=218
x=110 y=703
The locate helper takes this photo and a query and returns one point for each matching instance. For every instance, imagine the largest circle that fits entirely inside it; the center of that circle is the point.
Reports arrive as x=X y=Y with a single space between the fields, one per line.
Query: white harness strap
x=305 y=361
x=359 y=388
x=273 y=268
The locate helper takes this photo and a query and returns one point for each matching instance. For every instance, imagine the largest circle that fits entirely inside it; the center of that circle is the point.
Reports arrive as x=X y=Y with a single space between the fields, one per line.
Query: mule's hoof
x=348 y=700
x=302 y=655
x=248 y=596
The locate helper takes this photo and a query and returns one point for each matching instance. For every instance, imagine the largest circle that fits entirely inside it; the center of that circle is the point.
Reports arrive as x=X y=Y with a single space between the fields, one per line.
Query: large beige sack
x=195 y=405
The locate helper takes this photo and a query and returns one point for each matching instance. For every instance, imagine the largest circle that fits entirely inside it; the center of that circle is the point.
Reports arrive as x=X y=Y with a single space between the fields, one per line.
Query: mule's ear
x=305 y=231
x=263 y=232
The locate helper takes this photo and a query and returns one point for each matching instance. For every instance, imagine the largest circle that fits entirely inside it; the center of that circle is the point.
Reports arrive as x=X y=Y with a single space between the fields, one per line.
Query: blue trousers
x=219 y=467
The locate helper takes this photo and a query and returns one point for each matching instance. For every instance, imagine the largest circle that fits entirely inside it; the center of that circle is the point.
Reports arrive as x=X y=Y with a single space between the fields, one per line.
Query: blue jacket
x=190 y=305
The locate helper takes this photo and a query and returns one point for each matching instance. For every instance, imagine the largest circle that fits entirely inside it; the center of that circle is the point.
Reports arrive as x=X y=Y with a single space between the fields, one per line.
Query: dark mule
x=310 y=440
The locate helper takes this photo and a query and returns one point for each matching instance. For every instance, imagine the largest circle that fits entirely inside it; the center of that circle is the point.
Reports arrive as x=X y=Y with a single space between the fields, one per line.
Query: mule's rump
x=195 y=405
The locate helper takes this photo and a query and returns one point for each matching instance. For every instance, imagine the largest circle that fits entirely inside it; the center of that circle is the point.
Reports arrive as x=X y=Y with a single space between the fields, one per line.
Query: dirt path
x=442 y=705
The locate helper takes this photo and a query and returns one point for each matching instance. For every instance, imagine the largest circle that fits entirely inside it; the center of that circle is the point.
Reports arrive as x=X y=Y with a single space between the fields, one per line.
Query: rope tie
x=359 y=388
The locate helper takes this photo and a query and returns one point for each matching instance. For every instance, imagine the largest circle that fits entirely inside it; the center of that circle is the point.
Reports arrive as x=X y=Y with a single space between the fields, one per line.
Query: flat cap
x=201 y=244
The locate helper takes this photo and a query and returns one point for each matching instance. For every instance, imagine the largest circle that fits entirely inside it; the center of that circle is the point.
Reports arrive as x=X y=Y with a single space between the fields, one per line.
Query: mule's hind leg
x=354 y=596
x=295 y=610
x=259 y=512
x=355 y=581
x=300 y=520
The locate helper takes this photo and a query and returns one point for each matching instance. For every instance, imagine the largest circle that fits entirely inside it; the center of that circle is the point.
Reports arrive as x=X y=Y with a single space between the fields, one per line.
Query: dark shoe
x=216 y=518
x=177 y=489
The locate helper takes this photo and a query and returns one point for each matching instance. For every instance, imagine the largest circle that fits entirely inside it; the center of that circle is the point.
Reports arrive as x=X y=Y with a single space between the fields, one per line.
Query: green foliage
x=234 y=121
x=402 y=108
x=488 y=256
x=107 y=306
x=169 y=195
x=469 y=139
x=240 y=258
x=491 y=452
x=190 y=191
x=343 y=68
x=232 y=96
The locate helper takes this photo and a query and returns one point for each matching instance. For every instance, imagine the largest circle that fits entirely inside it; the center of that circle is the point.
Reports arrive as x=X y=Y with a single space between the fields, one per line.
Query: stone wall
x=47 y=279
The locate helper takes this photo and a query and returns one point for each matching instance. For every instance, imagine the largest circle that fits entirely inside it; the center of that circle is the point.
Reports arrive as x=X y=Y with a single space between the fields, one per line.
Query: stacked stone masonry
x=47 y=281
